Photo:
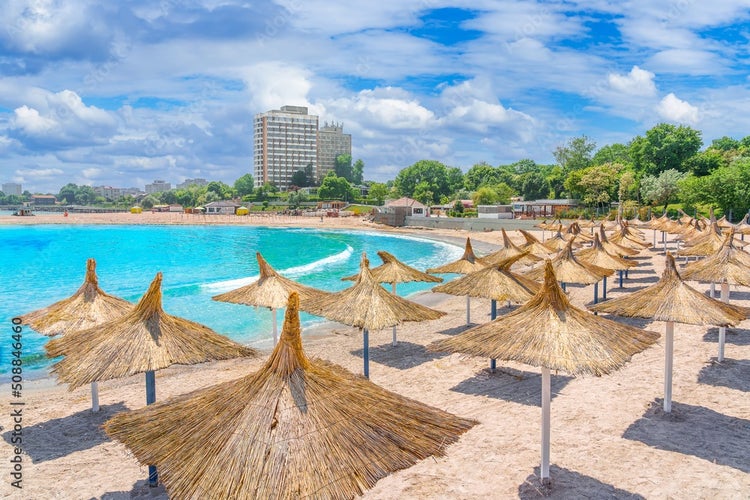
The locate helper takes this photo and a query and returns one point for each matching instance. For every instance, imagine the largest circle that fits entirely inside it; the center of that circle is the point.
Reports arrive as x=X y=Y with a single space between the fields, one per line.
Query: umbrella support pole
x=366 y=352
x=621 y=279
x=596 y=292
x=545 y=425
x=712 y=294
x=669 y=348
x=604 y=289
x=94 y=397
x=723 y=329
x=275 y=326
x=153 y=477
x=562 y=285
x=468 y=310
x=664 y=240
x=394 y=341
x=493 y=315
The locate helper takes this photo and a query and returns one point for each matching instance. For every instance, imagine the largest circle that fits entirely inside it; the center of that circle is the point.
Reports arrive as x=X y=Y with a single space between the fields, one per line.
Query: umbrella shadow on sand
x=60 y=437
x=735 y=336
x=141 y=489
x=732 y=373
x=570 y=484
x=402 y=356
x=694 y=430
x=457 y=329
x=508 y=384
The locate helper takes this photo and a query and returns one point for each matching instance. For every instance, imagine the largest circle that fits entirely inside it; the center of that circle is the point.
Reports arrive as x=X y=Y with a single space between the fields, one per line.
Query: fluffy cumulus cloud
x=674 y=109
x=273 y=84
x=638 y=82
x=63 y=120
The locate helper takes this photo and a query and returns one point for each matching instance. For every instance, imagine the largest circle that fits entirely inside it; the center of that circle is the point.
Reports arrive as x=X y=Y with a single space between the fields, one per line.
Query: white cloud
x=273 y=84
x=639 y=82
x=38 y=173
x=383 y=108
x=687 y=62
x=674 y=109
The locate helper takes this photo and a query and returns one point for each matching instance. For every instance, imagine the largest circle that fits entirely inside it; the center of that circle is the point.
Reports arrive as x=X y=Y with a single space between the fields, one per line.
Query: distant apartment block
x=12 y=188
x=114 y=193
x=192 y=182
x=332 y=142
x=158 y=186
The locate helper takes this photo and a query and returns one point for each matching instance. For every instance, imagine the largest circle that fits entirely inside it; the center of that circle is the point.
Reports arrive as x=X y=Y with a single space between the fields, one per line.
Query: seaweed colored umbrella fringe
x=296 y=428
x=548 y=332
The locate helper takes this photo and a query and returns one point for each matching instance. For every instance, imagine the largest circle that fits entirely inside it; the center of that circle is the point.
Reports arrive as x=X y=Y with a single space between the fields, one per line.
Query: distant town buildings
x=287 y=140
x=158 y=186
x=192 y=182
x=43 y=199
x=12 y=188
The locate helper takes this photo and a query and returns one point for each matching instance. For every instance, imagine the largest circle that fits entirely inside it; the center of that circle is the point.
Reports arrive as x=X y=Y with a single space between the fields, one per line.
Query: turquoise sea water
x=42 y=264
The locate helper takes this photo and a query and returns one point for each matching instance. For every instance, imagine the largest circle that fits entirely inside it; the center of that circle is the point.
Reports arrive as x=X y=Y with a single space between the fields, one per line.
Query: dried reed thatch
x=297 y=428
x=368 y=305
x=534 y=246
x=468 y=263
x=394 y=271
x=270 y=290
x=494 y=282
x=88 y=307
x=729 y=265
x=657 y=223
x=598 y=256
x=548 y=331
x=575 y=230
x=509 y=250
x=558 y=241
x=143 y=340
x=671 y=299
x=743 y=227
x=707 y=243
x=614 y=248
x=569 y=269
x=692 y=229
x=624 y=236
x=724 y=223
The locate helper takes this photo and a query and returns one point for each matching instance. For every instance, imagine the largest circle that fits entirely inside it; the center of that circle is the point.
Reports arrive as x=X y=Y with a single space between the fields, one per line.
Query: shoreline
x=606 y=431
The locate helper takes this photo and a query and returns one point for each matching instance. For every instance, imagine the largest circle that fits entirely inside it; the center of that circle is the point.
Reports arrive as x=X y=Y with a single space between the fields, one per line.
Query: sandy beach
x=609 y=437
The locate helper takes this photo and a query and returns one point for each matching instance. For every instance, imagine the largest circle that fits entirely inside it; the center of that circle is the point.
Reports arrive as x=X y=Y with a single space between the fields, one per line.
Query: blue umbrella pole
x=153 y=477
x=562 y=285
x=620 y=279
x=366 y=340
x=596 y=292
x=493 y=315
x=604 y=289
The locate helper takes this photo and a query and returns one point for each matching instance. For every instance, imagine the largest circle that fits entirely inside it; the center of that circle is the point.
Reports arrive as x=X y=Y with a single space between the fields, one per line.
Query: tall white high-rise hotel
x=288 y=140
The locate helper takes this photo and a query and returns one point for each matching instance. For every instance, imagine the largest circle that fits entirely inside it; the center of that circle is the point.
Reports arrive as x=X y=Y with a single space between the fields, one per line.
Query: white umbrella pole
x=394 y=342
x=468 y=309
x=94 y=397
x=275 y=326
x=713 y=290
x=664 y=239
x=723 y=329
x=654 y=238
x=669 y=348
x=545 y=424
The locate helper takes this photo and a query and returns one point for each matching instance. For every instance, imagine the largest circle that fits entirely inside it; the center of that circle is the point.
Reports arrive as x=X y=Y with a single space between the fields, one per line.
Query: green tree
x=534 y=186
x=169 y=197
x=334 y=187
x=85 y=195
x=458 y=208
x=481 y=174
x=504 y=193
x=378 y=192
x=423 y=193
x=705 y=162
x=222 y=191
x=626 y=186
x=485 y=195
x=665 y=147
x=725 y=144
x=310 y=174
x=67 y=193
x=299 y=179
x=729 y=187
x=343 y=167
x=430 y=171
x=598 y=184
x=662 y=189
x=575 y=154
x=295 y=199
x=556 y=180
x=612 y=153
x=455 y=179
x=244 y=185
x=149 y=201
x=358 y=172
x=525 y=166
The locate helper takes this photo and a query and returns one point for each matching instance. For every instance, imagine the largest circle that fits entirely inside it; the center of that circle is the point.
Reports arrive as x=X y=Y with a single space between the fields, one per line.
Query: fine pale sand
x=609 y=438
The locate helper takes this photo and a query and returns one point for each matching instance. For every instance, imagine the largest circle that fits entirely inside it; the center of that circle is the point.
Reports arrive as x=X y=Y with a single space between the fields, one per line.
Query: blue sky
x=122 y=93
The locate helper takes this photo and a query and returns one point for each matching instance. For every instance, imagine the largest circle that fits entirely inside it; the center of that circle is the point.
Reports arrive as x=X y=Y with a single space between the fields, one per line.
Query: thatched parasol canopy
x=143 y=340
x=729 y=265
x=549 y=332
x=614 y=248
x=569 y=269
x=671 y=299
x=297 y=428
x=534 y=246
x=575 y=230
x=598 y=256
x=88 y=307
x=270 y=290
x=468 y=263
x=394 y=271
x=508 y=250
x=625 y=237
x=743 y=227
x=558 y=241
x=494 y=282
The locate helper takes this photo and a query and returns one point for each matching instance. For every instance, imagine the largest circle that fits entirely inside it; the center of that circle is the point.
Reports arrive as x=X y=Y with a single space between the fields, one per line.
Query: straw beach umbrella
x=144 y=340
x=271 y=290
x=468 y=263
x=88 y=307
x=550 y=333
x=394 y=271
x=297 y=428
x=598 y=256
x=728 y=266
x=673 y=301
x=534 y=246
x=369 y=306
x=509 y=249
